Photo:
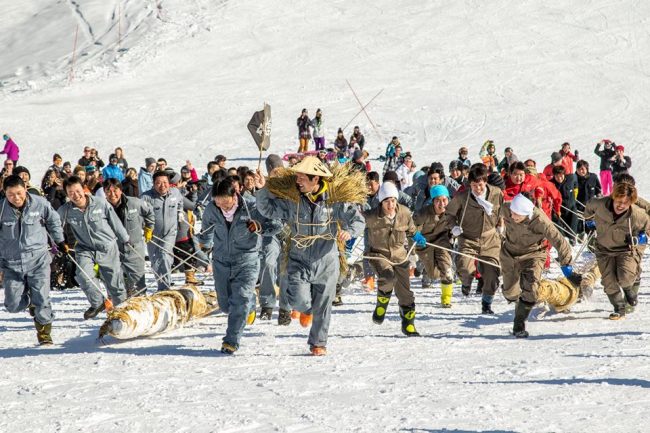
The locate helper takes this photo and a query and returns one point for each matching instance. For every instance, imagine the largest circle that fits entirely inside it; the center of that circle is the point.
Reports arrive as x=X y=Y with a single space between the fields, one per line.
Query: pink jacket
x=11 y=150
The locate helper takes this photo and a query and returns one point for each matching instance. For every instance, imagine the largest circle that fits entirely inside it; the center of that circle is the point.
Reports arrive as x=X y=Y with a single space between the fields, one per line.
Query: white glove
x=456 y=231
x=501 y=230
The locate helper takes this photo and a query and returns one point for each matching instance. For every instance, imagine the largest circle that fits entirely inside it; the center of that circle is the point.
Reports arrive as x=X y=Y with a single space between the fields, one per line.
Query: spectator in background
x=304 y=134
x=52 y=186
x=568 y=158
x=145 y=176
x=607 y=156
x=86 y=157
x=588 y=188
x=11 y=149
x=67 y=170
x=392 y=162
x=130 y=183
x=340 y=143
x=112 y=170
x=462 y=157
x=161 y=164
x=405 y=171
x=507 y=161
x=121 y=161
x=319 y=131
x=221 y=161
x=8 y=168
x=556 y=159
x=621 y=163
x=57 y=163
x=358 y=138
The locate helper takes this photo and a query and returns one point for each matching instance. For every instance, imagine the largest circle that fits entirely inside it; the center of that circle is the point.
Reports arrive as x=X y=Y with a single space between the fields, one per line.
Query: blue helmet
x=438 y=190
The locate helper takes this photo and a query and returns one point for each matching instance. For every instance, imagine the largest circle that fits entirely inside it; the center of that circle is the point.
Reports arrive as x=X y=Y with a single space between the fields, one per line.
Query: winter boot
x=228 y=349
x=284 y=318
x=465 y=289
x=479 y=286
x=93 y=312
x=295 y=314
x=338 y=301
x=618 y=301
x=631 y=297
x=318 y=350
x=522 y=310
x=190 y=278
x=32 y=310
x=266 y=313
x=426 y=281
x=369 y=283
x=445 y=297
x=43 y=333
x=380 y=308
x=486 y=304
x=408 y=321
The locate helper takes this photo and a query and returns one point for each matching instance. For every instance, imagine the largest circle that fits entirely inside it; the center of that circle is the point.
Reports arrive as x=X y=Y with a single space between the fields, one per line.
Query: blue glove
x=590 y=224
x=419 y=240
x=567 y=270
x=643 y=238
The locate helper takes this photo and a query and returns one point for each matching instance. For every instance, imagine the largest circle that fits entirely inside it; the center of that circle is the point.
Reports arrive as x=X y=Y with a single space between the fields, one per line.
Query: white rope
x=171 y=252
x=464 y=255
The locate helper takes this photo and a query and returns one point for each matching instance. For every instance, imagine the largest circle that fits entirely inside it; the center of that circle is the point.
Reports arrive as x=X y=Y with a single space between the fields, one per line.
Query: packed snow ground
x=183 y=82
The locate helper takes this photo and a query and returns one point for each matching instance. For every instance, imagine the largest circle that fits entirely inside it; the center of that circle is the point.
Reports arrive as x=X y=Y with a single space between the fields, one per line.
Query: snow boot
x=486 y=304
x=228 y=349
x=43 y=333
x=618 y=301
x=522 y=310
x=479 y=286
x=190 y=278
x=284 y=318
x=266 y=313
x=337 y=301
x=408 y=321
x=32 y=310
x=93 y=312
x=631 y=297
x=380 y=308
x=465 y=289
x=445 y=296
x=426 y=281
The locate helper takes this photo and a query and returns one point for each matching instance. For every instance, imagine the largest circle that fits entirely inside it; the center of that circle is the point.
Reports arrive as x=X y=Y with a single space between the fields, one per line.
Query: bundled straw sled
x=560 y=294
x=143 y=316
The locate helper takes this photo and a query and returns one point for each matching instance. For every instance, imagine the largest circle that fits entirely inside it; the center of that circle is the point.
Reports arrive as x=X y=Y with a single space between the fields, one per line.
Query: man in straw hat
x=317 y=220
x=523 y=254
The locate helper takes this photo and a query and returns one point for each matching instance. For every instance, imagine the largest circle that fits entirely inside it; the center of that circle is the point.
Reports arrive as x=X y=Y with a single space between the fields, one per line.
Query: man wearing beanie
x=523 y=253
x=389 y=225
x=145 y=176
x=556 y=159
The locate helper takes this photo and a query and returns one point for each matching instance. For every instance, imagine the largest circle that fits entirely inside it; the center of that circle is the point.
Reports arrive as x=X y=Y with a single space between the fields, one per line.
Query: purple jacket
x=11 y=150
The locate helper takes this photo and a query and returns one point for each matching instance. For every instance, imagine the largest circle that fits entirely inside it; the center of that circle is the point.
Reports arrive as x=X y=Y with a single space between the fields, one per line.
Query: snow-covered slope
x=190 y=73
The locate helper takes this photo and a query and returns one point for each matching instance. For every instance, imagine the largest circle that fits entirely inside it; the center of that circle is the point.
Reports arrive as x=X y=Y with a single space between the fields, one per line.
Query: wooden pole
x=364 y=111
x=74 y=55
x=119 y=25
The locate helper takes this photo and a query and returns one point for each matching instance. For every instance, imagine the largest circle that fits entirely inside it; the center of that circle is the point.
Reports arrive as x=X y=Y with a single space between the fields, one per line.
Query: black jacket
x=566 y=190
x=621 y=165
x=605 y=155
x=588 y=188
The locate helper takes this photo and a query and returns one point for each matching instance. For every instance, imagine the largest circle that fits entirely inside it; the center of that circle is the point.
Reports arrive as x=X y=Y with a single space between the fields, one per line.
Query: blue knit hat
x=438 y=190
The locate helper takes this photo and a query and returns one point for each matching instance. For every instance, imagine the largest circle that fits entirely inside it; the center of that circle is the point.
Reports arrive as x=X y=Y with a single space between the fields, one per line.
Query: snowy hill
x=180 y=79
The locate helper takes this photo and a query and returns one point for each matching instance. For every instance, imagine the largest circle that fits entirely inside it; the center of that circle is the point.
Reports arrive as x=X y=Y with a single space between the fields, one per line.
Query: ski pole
x=465 y=255
x=567 y=228
x=578 y=214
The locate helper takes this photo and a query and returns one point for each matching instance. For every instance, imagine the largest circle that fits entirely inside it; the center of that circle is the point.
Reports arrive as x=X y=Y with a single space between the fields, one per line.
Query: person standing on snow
x=607 y=156
x=112 y=170
x=234 y=228
x=98 y=232
x=317 y=222
x=304 y=134
x=389 y=226
x=168 y=205
x=621 y=236
x=523 y=254
x=431 y=221
x=358 y=138
x=319 y=130
x=568 y=158
x=472 y=218
x=11 y=149
x=135 y=215
x=145 y=176
x=27 y=220
x=621 y=163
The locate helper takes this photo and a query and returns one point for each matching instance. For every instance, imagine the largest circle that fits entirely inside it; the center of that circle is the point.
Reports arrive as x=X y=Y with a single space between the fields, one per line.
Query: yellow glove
x=148 y=234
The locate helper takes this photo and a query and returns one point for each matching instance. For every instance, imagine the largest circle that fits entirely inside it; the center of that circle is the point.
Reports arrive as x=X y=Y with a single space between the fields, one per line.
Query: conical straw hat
x=312 y=165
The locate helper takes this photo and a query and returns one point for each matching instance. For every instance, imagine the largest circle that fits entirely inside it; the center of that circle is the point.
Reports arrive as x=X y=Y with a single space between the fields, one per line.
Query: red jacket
x=548 y=172
x=552 y=200
x=530 y=185
x=567 y=162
